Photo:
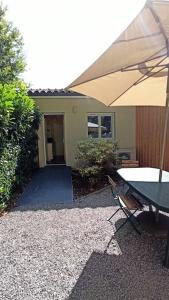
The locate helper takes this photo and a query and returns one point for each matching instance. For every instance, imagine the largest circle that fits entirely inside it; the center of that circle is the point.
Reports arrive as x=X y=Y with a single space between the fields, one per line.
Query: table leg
x=166 y=259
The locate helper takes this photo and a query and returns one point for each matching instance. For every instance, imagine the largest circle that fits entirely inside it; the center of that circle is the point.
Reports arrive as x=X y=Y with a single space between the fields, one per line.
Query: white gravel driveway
x=59 y=254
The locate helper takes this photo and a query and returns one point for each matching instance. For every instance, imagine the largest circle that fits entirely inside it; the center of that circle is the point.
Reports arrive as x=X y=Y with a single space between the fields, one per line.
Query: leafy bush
x=94 y=157
x=19 y=121
x=8 y=164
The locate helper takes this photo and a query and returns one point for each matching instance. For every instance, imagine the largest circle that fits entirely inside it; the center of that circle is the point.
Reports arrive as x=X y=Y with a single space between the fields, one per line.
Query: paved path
x=49 y=186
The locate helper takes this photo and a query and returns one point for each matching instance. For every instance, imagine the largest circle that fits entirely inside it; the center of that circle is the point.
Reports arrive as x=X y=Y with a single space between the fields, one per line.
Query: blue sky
x=63 y=37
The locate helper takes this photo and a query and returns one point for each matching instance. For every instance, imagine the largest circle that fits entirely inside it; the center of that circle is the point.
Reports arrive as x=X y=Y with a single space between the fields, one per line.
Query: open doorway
x=54 y=139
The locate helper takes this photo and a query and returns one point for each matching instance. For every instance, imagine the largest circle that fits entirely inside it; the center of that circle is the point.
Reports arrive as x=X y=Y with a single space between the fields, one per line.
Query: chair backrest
x=113 y=186
x=128 y=202
x=111 y=181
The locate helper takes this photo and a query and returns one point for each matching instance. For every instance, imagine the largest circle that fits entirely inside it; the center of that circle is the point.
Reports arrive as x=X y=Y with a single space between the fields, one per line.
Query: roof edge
x=53 y=92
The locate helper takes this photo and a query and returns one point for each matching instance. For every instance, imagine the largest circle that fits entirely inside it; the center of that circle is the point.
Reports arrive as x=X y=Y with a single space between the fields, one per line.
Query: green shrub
x=8 y=164
x=94 y=157
x=19 y=121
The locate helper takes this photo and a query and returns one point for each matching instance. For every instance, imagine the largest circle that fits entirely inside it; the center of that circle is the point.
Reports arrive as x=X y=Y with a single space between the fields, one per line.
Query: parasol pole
x=165 y=127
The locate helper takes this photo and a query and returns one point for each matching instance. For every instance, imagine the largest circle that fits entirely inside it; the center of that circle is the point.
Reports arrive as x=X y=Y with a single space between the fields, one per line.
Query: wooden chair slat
x=128 y=203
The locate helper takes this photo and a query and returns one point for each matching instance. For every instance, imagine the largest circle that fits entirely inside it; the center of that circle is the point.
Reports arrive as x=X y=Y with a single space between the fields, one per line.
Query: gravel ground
x=61 y=253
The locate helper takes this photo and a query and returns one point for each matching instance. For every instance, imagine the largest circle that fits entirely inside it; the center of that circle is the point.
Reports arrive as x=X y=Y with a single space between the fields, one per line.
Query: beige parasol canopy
x=133 y=70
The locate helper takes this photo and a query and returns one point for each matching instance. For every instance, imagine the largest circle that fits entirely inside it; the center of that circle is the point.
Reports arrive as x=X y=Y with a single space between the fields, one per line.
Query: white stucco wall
x=75 y=111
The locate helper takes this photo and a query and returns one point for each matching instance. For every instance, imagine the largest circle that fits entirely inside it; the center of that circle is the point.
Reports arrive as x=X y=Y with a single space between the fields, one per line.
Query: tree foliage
x=19 y=116
x=11 y=50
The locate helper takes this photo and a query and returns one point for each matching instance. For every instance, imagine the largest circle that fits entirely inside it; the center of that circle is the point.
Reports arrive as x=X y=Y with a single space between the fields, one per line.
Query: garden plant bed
x=83 y=187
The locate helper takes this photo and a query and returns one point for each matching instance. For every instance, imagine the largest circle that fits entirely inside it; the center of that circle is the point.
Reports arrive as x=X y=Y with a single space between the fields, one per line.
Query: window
x=93 y=126
x=101 y=126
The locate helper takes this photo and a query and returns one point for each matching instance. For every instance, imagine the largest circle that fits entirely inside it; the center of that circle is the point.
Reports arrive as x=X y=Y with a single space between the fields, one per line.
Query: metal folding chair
x=127 y=203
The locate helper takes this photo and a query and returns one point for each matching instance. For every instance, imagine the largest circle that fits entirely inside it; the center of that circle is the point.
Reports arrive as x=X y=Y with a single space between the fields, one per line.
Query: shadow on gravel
x=131 y=268
x=48 y=187
x=98 y=199
x=102 y=198
x=51 y=189
x=76 y=204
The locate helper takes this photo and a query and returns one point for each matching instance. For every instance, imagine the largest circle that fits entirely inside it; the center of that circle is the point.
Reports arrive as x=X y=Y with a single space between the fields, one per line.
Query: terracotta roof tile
x=52 y=92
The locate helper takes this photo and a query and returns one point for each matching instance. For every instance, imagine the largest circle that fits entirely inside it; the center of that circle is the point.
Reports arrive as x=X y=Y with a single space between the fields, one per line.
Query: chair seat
x=130 y=202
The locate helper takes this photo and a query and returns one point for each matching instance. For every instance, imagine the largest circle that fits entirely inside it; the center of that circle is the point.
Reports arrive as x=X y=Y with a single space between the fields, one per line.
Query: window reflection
x=93 y=127
x=106 y=128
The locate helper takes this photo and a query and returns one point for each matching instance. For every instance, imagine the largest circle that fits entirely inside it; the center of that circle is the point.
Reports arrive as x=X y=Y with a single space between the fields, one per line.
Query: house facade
x=68 y=117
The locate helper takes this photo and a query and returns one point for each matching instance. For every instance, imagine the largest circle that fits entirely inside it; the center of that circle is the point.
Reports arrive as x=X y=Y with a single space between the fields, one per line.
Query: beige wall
x=75 y=111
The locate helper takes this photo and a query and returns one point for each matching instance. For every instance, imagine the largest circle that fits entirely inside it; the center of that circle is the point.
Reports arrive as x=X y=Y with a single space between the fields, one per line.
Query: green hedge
x=19 y=121
x=8 y=165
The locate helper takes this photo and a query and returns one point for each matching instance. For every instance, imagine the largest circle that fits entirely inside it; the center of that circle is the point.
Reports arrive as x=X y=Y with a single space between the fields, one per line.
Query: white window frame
x=113 y=128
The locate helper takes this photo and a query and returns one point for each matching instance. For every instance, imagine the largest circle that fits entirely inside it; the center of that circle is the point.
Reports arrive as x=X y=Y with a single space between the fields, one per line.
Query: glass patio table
x=145 y=182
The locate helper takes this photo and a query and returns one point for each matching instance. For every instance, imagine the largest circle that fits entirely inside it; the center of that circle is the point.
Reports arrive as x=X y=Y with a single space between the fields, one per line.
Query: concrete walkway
x=49 y=186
